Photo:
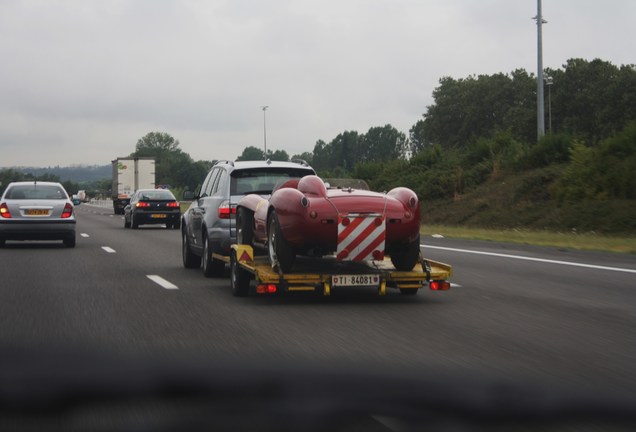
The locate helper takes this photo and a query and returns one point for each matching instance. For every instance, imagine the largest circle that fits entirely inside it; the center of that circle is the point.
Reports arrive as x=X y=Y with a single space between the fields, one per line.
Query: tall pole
x=548 y=82
x=540 y=100
x=264 y=130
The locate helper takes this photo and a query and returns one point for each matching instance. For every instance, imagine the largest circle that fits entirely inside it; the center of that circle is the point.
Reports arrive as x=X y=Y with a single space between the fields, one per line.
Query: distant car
x=152 y=206
x=306 y=217
x=34 y=210
x=209 y=224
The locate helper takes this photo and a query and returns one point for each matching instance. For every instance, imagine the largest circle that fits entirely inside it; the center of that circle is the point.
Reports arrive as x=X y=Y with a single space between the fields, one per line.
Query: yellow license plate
x=36 y=212
x=158 y=216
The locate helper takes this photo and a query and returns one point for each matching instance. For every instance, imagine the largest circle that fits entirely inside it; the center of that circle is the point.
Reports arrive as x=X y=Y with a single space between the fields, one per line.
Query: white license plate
x=356 y=280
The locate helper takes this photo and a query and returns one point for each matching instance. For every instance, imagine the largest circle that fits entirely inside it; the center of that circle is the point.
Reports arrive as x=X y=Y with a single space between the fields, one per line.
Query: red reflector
x=345 y=221
x=266 y=289
x=245 y=257
x=68 y=211
x=378 y=255
x=439 y=285
x=4 y=211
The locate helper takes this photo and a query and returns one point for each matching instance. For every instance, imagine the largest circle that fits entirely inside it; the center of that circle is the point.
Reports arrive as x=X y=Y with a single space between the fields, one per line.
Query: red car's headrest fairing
x=312 y=185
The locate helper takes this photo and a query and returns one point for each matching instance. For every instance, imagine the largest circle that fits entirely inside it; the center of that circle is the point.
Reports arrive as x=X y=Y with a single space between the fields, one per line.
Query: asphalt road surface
x=540 y=315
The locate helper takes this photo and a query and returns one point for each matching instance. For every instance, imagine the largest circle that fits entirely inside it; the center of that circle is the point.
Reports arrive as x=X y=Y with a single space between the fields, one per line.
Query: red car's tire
x=404 y=257
x=245 y=226
x=280 y=253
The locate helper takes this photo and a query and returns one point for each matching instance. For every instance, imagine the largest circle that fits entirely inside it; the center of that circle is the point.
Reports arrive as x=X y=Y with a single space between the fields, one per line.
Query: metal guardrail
x=100 y=203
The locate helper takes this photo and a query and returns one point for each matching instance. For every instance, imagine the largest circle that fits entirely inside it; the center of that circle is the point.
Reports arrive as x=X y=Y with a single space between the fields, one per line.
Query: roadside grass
x=569 y=240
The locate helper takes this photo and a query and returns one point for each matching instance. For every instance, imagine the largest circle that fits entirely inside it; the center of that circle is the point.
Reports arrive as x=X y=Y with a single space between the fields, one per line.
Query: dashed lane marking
x=84 y=235
x=108 y=249
x=162 y=282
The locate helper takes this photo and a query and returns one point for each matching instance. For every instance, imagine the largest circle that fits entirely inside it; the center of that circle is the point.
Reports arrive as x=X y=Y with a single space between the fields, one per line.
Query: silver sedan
x=36 y=210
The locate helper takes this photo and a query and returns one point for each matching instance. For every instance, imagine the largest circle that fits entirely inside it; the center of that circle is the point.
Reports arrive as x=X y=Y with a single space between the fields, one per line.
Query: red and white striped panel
x=361 y=237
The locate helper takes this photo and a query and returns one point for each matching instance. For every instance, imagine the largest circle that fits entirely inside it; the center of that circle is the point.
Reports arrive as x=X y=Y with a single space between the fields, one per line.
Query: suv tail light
x=225 y=210
x=4 y=211
x=68 y=211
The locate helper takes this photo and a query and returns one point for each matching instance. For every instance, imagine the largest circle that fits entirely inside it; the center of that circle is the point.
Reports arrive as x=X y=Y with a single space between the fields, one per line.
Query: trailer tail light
x=226 y=211
x=439 y=285
x=142 y=204
x=173 y=204
x=4 y=211
x=68 y=211
x=266 y=289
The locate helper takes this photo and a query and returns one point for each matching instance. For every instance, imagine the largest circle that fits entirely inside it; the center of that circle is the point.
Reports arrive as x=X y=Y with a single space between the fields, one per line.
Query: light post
x=264 y=130
x=549 y=82
x=540 y=101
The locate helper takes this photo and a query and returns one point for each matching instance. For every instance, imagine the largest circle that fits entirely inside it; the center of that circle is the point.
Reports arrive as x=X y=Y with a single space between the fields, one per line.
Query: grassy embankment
x=520 y=209
x=569 y=240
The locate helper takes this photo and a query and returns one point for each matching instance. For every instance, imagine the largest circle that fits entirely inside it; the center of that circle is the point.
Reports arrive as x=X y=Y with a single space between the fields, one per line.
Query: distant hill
x=76 y=173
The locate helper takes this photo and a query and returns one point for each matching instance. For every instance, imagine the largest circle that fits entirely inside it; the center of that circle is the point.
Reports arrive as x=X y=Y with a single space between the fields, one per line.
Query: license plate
x=356 y=280
x=36 y=212
x=158 y=216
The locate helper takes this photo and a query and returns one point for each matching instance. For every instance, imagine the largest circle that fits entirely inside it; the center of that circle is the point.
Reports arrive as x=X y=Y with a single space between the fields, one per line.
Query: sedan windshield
x=36 y=191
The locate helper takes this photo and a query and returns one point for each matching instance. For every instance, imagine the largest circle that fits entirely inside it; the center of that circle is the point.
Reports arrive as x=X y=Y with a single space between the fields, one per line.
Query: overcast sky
x=81 y=81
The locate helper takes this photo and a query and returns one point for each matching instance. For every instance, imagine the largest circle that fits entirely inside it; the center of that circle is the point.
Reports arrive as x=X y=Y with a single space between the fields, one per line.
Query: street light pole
x=540 y=99
x=549 y=82
x=264 y=130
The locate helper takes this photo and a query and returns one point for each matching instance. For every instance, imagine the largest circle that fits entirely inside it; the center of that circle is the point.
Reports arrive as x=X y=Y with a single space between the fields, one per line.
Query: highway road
x=540 y=315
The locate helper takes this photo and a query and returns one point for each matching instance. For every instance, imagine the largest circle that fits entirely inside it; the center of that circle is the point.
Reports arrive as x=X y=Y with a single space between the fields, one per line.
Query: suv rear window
x=262 y=180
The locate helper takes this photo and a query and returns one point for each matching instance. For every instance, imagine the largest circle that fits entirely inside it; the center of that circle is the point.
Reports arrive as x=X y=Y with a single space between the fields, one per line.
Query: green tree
x=278 y=155
x=383 y=143
x=156 y=144
x=474 y=107
x=593 y=100
x=306 y=156
x=251 y=153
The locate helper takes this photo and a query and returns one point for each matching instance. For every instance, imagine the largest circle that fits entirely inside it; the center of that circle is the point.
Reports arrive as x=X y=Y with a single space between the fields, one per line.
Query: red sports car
x=305 y=217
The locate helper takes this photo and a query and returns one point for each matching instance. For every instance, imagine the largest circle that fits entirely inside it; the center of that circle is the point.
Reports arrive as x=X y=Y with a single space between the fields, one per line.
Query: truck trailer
x=129 y=175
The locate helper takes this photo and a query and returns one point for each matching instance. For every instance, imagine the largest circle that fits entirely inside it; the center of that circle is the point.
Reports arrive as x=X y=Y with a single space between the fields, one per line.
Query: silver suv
x=209 y=224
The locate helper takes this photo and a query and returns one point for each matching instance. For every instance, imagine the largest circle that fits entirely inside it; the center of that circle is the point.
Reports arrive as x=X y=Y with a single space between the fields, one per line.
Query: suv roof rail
x=224 y=161
x=301 y=162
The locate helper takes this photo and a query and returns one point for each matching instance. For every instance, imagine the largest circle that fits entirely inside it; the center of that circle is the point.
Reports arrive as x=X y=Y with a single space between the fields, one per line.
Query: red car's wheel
x=404 y=257
x=280 y=253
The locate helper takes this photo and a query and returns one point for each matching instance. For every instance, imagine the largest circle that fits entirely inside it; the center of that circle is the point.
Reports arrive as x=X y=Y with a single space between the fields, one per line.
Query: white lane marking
x=84 y=235
x=162 y=282
x=454 y=285
x=543 y=260
x=108 y=249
